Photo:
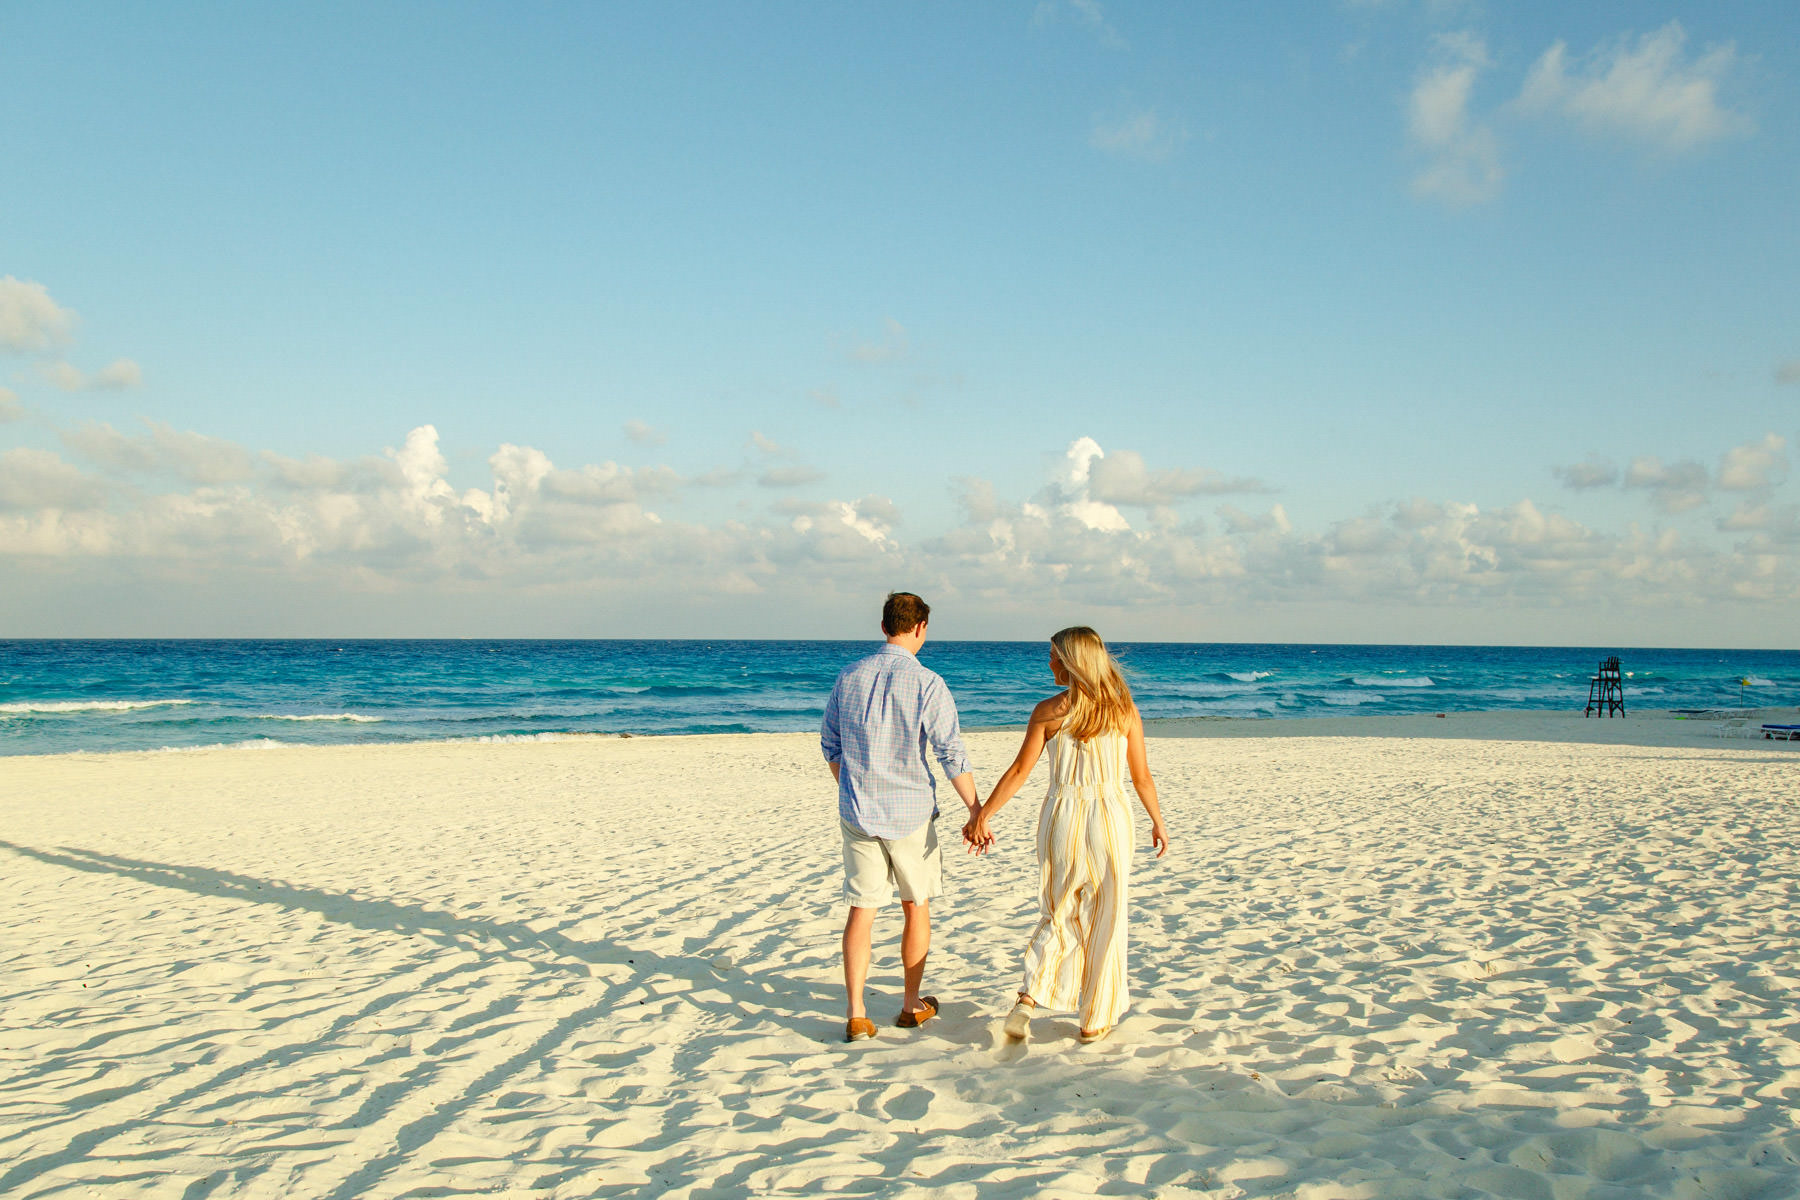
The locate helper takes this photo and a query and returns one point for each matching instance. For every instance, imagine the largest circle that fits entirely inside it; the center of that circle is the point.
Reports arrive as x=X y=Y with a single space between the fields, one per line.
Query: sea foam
x=492 y=739
x=318 y=717
x=251 y=744
x=69 y=706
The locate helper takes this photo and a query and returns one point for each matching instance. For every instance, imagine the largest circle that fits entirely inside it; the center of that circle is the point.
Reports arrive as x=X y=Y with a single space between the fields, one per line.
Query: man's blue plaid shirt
x=886 y=711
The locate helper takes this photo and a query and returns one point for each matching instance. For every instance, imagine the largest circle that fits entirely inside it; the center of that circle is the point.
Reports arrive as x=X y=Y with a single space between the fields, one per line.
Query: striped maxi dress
x=1076 y=959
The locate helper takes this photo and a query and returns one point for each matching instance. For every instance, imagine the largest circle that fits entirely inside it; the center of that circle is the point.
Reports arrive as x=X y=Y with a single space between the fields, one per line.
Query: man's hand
x=977 y=835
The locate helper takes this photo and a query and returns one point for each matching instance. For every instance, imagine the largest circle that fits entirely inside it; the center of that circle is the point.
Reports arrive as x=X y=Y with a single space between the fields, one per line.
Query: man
x=886 y=711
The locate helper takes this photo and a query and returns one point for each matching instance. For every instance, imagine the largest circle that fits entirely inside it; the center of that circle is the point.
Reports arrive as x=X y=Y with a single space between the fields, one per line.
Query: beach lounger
x=1782 y=733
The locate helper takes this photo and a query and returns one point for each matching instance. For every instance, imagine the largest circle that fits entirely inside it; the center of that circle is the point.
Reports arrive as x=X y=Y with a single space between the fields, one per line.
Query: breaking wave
x=357 y=717
x=70 y=706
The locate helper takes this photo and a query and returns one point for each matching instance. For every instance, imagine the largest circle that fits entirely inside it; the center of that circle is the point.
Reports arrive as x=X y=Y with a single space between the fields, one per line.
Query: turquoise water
x=58 y=696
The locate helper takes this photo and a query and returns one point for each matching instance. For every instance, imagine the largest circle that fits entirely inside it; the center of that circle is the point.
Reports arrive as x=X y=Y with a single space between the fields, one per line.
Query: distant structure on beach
x=1606 y=691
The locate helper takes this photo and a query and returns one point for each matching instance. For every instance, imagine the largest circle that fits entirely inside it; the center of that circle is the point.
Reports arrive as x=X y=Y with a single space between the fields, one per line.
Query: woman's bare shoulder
x=1055 y=708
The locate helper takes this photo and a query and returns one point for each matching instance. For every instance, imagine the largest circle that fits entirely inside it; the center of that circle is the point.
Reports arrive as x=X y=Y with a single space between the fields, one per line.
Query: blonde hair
x=1099 y=697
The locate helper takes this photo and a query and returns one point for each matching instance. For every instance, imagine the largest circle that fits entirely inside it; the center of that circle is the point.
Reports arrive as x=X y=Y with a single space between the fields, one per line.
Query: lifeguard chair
x=1606 y=691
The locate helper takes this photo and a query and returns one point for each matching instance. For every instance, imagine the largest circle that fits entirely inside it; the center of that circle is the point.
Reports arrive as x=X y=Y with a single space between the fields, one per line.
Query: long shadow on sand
x=543 y=950
x=549 y=950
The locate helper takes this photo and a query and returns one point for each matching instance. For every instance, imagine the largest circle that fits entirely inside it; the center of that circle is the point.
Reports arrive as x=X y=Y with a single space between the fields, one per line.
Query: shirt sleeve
x=830 y=743
x=943 y=729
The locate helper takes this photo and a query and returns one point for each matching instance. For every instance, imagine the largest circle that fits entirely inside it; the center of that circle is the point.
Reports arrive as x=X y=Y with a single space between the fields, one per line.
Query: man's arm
x=831 y=743
x=965 y=787
x=945 y=734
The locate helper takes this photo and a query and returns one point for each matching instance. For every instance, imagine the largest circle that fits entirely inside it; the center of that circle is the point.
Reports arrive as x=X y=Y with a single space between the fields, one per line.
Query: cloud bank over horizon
x=1106 y=532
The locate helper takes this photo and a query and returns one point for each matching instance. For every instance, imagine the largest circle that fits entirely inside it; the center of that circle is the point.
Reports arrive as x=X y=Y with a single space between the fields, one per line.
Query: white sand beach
x=1480 y=955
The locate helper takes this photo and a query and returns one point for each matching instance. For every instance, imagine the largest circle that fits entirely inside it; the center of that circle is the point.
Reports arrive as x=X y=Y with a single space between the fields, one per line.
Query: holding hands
x=977 y=837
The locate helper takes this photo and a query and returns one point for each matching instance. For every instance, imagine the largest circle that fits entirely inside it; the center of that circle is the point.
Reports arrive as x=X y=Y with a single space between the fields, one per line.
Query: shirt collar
x=890 y=648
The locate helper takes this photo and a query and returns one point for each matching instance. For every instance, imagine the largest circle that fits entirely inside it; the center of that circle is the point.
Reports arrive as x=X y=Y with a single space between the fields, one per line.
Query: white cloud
x=116 y=376
x=1142 y=134
x=318 y=473
x=1072 y=496
x=1418 y=552
x=1595 y=472
x=1674 y=487
x=519 y=471
x=190 y=456
x=10 y=407
x=789 y=476
x=1123 y=478
x=64 y=376
x=30 y=320
x=717 y=477
x=841 y=530
x=645 y=434
x=601 y=483
x=39 y=479
x=1775 y=534
x=1238 y=521
x=425 y=493
x=1087 y=14
x=869 y=529
x=1649 y=90
x=1463 y=163
x=394 y=521
x=892 y=346
x=1746 y=516
x=1090 y=484
x=1754 y=465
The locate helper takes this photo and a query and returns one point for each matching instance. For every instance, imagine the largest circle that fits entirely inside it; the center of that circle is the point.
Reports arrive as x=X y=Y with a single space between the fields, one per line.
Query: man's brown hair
x=903 y=613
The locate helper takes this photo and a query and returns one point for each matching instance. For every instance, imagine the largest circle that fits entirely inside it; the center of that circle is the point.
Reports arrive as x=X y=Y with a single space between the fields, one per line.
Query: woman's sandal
x=1096 y=1035
x=1018 y=1021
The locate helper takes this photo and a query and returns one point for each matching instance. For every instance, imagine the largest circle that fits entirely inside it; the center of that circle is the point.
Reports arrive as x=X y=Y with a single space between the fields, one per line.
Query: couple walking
x=886 y=714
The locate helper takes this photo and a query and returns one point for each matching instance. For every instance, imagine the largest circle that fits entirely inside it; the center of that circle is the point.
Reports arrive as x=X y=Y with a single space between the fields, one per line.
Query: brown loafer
x=912 y=1020
x=858 y=1028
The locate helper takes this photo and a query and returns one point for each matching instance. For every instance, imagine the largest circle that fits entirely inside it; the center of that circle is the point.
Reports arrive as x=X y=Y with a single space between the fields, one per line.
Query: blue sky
x=1350 y=321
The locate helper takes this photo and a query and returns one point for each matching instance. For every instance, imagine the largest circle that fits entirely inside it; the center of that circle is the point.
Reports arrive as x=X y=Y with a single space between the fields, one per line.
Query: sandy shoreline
x=1466 y=958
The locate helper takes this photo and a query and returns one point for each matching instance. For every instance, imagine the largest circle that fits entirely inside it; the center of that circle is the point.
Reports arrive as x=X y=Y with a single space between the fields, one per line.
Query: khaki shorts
x=911 y=865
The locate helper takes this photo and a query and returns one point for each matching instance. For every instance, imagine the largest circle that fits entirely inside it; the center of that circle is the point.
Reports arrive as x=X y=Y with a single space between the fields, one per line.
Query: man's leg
x=915 y=942
x=859 y=928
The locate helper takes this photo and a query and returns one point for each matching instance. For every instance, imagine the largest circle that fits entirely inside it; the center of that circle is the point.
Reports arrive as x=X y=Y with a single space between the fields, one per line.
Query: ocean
x=61 y=696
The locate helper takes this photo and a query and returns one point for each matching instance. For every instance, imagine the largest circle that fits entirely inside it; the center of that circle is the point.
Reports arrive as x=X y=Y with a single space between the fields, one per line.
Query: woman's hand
x=976 y=833
x=1159 y=838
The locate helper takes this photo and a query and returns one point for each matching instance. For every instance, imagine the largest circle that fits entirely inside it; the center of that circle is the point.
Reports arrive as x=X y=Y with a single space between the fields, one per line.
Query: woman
x=1076 y=959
